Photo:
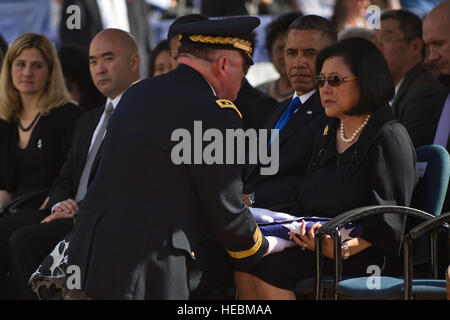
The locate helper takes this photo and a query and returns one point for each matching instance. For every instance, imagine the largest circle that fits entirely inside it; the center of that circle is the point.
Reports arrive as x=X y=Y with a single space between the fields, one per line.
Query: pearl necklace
x=353 y=137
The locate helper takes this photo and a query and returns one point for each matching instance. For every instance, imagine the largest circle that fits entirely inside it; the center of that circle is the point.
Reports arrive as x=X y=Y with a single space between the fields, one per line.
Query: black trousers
x=24 y=243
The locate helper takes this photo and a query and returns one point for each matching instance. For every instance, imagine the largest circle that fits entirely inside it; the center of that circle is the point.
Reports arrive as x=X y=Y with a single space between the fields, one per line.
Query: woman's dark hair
x=279 y=26
x=367 y=63
x=162 y=46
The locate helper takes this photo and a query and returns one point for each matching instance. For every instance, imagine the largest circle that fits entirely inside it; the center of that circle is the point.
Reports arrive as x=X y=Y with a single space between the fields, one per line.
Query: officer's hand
x=246 y=200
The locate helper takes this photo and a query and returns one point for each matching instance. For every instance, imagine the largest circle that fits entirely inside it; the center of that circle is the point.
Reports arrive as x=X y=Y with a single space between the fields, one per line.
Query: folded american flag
x=276 y=225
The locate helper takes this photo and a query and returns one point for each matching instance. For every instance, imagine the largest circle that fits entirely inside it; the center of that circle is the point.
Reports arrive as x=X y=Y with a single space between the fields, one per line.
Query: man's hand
x=64 y=209
x=246 y=200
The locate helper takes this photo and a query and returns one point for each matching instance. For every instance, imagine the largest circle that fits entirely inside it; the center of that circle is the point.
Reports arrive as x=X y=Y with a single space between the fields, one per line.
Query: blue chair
x=356 y=288
x=425 y=288
x=428 y=196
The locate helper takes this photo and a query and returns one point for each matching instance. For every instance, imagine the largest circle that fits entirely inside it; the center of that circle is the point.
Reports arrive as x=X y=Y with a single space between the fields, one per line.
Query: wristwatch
x=251 y=198
x=346 y=251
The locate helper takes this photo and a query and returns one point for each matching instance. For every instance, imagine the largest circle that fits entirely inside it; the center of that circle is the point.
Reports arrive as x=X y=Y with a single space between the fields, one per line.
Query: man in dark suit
x=114 y=66
x=152 y=227
x=92 y=19
x=306 y=36
x=435 y=34
x=418 y=94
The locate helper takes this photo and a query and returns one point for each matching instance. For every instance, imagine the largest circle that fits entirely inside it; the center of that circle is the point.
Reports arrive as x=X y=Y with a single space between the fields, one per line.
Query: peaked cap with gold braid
x=230 y=33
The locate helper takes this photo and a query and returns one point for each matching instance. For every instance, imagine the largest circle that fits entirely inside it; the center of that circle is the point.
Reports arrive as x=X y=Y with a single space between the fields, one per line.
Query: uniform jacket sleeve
x=219 y=188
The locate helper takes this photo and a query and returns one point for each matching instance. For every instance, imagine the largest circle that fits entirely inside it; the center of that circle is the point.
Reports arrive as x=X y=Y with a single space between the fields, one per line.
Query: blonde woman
x=36 y=117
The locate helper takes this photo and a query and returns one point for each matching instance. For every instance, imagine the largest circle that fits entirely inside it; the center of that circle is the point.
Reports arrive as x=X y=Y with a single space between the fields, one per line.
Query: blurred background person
x=3 y=49
x=96 y=15
x=323 y=8
x=419 y=7
x=356 y=32
x=350 y=13
x=160 y=59
x=274 y=7
x=279 y=89
x=218 y=8
x=172 y=37
x=79 y=83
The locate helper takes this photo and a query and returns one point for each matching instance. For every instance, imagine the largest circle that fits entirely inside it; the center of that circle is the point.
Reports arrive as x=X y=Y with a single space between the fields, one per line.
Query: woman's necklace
x=31 y=125
x=353 y=137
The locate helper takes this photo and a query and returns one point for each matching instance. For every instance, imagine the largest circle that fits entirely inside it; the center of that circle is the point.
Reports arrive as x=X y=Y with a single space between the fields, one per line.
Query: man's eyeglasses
x=390 y=40
x=333 y=81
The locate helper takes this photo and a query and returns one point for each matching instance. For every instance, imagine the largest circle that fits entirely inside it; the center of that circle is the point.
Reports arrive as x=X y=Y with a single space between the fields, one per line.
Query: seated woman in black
x=36 y=117
x=37 y=120
x=363 y=156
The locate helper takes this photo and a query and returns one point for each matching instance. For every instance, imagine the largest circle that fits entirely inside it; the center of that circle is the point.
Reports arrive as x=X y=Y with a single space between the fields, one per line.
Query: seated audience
x=418 y=94
x=362 y=157
x=160 y=59
x=281 y=88
x=37 y=121
x=113 y=55
x=350 y=13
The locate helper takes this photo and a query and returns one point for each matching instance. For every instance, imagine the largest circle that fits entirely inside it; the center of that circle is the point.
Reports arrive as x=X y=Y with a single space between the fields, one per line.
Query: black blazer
x=378 y=169
x=418 y=104
x=155 y=221
x=56 y=129
x=296 y=141
x=65 y=185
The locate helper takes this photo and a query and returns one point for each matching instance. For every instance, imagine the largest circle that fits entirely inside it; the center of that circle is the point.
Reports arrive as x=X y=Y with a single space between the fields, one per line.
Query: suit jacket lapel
x=299 y=119
x=306 y=112
x=407 y=81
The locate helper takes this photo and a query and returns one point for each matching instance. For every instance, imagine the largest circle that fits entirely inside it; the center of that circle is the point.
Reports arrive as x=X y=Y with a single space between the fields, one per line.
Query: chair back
x=433 y=162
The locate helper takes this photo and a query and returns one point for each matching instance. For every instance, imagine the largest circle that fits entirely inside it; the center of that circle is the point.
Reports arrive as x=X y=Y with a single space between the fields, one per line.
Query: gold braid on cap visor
x=235 y=42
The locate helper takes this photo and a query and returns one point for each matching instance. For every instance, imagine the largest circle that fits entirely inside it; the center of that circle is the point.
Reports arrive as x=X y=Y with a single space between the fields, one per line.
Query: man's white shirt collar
x=304 y=96
x=114 y=101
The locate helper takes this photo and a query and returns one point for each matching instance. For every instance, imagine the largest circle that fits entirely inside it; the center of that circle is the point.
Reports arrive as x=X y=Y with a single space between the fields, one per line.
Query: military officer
x=150 y=227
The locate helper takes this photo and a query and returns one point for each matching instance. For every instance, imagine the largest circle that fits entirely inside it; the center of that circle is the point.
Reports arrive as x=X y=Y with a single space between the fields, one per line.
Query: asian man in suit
x=419 y=96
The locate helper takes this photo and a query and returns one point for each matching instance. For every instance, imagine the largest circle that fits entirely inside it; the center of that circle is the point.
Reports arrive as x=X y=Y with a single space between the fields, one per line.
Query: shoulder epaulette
x=228 y=104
